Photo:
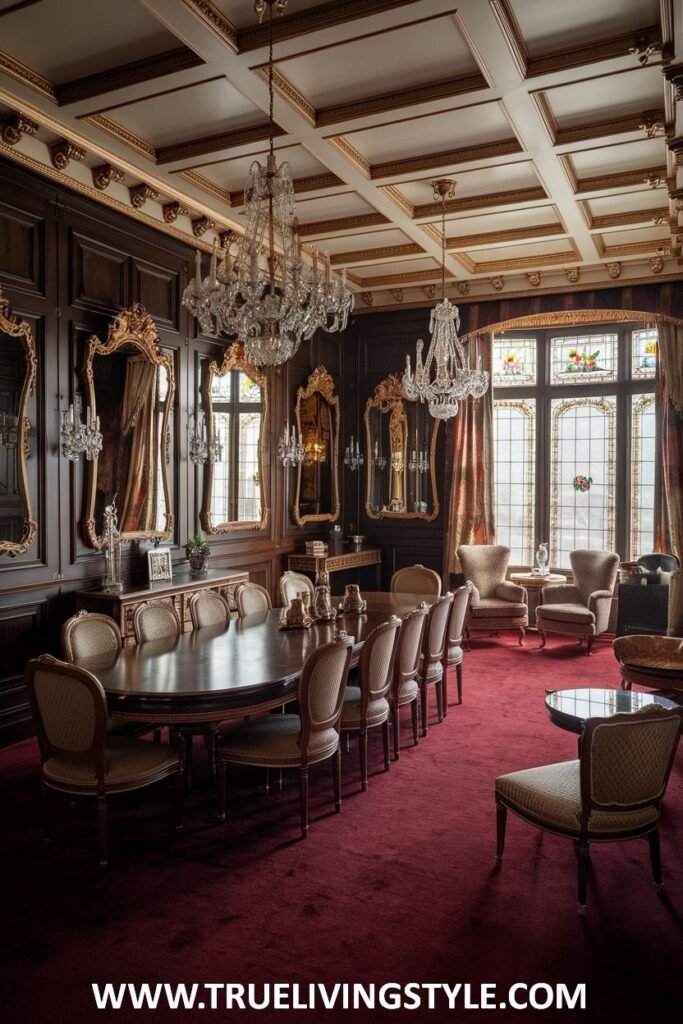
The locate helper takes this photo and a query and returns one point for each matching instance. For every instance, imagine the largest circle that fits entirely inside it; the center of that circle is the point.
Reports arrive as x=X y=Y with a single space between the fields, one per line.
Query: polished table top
x=248 y=664
x=569 y=709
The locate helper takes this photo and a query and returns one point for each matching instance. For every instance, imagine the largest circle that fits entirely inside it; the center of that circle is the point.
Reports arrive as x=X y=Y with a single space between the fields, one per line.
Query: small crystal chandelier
x=270 y=310
x=453 y=379
x=203 y=449
x=77 y=437
x=290 y=451
x=353 y=459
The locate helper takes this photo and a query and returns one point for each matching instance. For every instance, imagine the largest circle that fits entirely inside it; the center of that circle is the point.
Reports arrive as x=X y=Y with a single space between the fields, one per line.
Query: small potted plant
x=198 y=551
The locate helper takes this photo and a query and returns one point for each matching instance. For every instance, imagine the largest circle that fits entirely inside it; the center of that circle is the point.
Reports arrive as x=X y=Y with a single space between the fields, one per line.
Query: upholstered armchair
x=581 y=608
x=495 y=603
x=655 y=661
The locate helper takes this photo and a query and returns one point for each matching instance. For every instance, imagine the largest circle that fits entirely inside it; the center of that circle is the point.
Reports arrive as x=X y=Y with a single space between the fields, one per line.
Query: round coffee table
x=569 y=709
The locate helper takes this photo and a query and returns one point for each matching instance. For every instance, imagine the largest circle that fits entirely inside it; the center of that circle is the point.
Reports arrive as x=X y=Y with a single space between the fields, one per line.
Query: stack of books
x=317 y=548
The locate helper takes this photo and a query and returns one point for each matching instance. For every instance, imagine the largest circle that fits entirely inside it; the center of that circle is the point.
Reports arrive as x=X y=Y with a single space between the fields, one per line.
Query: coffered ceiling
x=555 y=120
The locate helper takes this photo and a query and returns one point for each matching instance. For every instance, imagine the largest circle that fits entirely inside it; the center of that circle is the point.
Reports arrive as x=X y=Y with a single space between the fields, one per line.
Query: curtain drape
x=671 y=404
x=470 y=452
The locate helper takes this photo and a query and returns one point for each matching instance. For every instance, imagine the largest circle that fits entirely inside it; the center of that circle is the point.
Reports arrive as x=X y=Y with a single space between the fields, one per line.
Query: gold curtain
x=138 y=415
x=671 y=358
x=470 y=451
x=670 y=532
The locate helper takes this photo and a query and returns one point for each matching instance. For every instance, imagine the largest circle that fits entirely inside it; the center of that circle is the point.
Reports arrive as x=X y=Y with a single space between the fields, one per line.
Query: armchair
x=582 y=608
x=496 y=603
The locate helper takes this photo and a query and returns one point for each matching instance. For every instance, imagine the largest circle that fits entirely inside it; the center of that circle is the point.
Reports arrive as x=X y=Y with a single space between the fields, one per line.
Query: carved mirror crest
x=130 y=384
x=235 y=407
x=401 y=455
x=18 y=368
x=317 y=420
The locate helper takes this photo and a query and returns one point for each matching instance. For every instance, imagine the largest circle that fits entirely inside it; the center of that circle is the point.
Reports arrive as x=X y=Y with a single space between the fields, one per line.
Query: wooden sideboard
x=121 y=607
x=350 y=558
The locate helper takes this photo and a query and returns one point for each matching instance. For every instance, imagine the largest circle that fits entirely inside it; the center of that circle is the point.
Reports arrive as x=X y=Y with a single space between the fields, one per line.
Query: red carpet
x=398 y=888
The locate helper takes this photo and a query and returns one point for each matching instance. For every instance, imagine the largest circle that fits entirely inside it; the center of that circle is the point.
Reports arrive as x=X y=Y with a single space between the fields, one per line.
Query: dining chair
x=582 y=608
x=296 y=740
x=366 y=706
x=416 y=579
x=454 y=637
x=77 y=756
x=292 y=584
x=252 y=599
x=432 y=670
x=155 y=620
x=208 y=608
x=404 y=687
x=610 y=794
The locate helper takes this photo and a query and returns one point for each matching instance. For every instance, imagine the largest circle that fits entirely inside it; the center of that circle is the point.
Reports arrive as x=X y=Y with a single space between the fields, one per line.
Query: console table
x=176 y=592
x=350 y=558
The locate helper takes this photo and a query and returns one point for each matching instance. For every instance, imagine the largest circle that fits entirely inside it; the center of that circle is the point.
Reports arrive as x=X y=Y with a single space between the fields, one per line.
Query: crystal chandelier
x=290 y=451
x=453 y=379
x=353 y=458
x=78 y=437
x=273 y=309
x=203 y=449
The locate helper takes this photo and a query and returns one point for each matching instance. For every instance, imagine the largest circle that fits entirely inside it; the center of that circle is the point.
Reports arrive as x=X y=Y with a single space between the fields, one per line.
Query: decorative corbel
x=172 y=211
x=534 y=278
x=227 y=238
x=651 y=124
x=497 y=283
x=573 y=274
x=14 y=126
x=139 y=194
x=104 y=174
x=62 y=153
x=464 y=287
x=653 y=180
x=429 y=290
x=656 y=264
x=644 y=47
x=397 y=294
x=614 y=270
x=201 y=225
x=367 y=298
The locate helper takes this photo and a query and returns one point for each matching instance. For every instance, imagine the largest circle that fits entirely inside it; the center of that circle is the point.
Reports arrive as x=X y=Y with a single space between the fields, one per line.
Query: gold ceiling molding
x=545 y=112
x=404 y=279
x=384 y=253
x=399 y=199
x=627 y=248
x=289 y=92
x=343 y=146
x=511 y=34
x=447 y=157
x=116 y=131
x=509 y=235
x=206 y=185
x=615 y=220
x=137 y=72
x=589 y=130
x=215 y=20
x=26 y=76
x=432 y=231
x=340 y=225
x=600 y=182
x=587 y=53
x=400 y=98
x=549 y=259
x=214 y=143
x=514 y=196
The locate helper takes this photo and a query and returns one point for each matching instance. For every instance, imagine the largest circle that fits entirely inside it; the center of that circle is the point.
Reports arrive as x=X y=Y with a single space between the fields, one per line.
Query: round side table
x=534 y=585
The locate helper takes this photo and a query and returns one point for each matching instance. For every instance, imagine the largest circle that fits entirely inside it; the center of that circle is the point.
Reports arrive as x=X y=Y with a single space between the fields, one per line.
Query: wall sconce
x=77 y=437
x=352 y=456
x=200 y=448
x=290 y=452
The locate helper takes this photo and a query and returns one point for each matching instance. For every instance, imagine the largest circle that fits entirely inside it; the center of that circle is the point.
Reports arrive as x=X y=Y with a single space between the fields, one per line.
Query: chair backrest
x=88 y=634
x=436 y=629
x=675 y=620
x=485 y=565
x=409 y=647
x=250 y=599
x=208 y=608
x=291 y=585
x=321 y=688
x=456 y=620
x=69 y=712
x=594 y=570
x=658 y=560
x=155 y=620
x=376 y=663
x=416 y=579
x=626 y=759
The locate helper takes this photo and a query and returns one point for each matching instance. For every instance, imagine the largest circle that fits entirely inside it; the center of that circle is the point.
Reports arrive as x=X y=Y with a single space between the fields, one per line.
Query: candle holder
x=78 y=438
x=353 y=459
x=290 y=450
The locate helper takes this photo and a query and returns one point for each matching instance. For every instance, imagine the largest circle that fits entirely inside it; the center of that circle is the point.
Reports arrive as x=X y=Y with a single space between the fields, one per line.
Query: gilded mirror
x=317 y=419
x=401 y=447
x=130 y=385
x=234 y=415
x=18 y=366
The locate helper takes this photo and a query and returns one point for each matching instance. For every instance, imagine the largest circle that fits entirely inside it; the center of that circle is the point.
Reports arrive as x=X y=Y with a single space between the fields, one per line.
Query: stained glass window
x=220 y=504
x=583 y=359
x=643 y=433
x=582 y=475
x=514 y=362
x=249 y=508
x=514 y=424
x=644 y=352
x=236 y=493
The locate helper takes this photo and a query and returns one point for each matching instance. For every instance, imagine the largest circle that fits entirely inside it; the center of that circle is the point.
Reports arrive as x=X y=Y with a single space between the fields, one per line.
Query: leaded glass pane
x=221 y=387
x=248 y=390
x=220 y=495
x=514 y=362
x=583 y=474
x=249 y=491
x=583 y=359
x=643 y=431
x=644 y=352
x=514 y=477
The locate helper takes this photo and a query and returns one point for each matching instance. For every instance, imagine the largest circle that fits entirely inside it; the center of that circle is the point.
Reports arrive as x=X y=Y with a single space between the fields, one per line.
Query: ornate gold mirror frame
x=22 y=330
x=320 y=382
x=234 y=360
x=132 y=327
x=390 y=399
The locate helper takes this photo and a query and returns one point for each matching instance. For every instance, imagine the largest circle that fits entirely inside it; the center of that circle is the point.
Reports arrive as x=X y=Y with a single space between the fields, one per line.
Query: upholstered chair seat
x=273 y=741
x=495 y=603
x=431 y=670
x=404 y=688
x=611 y=793
x=129 y=764
x=416 y=579
x=582 y=608
x=366 y=705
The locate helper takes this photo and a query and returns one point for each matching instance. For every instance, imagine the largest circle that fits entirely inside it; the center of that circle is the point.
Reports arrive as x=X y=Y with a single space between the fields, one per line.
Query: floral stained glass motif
x=643 y=432
x=514 y=362
x=584 y=359
x=514 y=423
x=644 y=345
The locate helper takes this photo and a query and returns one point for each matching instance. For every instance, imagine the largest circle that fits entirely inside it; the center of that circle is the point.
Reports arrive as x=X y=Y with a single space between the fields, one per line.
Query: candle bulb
x=71 y=415
x=479 y=363
x=97 y=424
x=198 y=268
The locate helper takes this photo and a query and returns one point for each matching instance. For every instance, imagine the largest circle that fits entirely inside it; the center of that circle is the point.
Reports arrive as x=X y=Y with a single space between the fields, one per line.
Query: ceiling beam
x=134 y=73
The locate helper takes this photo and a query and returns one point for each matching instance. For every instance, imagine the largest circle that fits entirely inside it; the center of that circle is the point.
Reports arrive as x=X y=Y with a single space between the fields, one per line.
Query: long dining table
x=223 y=672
